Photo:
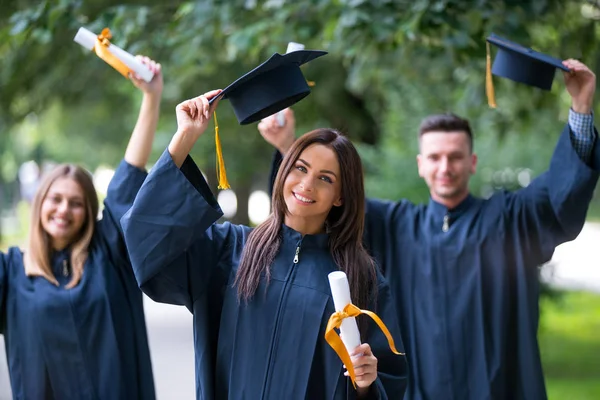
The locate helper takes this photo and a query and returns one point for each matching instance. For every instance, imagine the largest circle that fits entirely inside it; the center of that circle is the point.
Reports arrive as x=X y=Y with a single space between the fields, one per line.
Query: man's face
x=446 y=163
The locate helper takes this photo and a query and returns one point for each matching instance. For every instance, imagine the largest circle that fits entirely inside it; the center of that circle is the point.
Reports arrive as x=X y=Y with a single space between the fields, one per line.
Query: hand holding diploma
x=116 y=57
x=362 y=367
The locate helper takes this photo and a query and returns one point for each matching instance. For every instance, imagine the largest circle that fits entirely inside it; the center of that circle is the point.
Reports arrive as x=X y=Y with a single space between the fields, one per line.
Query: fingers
x=363 y=349
x=575 y=65
x=202 y=102
x=199 y=107
x=289 y=116
x=364 y=364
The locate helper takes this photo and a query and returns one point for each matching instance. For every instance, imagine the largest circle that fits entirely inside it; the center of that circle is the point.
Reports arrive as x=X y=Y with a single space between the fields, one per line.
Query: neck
x=59 y=245
x=305 y=226
x=450 y=202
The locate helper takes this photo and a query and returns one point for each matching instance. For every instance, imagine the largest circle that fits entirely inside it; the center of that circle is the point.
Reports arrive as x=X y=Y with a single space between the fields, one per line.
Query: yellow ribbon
x=101 y=50
x=334 y=340
x=221 y=173
x=489 y=83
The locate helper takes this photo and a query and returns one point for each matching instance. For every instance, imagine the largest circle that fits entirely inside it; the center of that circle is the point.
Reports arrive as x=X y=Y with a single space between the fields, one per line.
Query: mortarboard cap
x=276 y=84
x=520 y=64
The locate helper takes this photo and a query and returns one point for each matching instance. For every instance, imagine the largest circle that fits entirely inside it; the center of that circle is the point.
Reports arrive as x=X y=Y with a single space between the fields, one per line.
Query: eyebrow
x=325 y=171
x=55 y=193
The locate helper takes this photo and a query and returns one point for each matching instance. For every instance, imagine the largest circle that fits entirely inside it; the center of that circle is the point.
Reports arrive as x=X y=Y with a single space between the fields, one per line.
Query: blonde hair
x=37 y=257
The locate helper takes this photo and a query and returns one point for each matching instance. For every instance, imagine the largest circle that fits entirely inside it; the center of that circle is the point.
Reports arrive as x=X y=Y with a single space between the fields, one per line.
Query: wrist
x=283 y=149
x=180 y=146
x=152 y=96
x=582 y=107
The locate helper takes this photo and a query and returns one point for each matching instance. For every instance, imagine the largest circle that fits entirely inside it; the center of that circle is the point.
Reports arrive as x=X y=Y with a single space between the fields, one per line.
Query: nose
x=63 y=207
x=307 y=183
x=444 y=164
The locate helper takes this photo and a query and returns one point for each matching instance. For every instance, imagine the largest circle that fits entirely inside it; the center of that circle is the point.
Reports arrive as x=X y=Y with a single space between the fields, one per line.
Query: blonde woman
x=70 y=309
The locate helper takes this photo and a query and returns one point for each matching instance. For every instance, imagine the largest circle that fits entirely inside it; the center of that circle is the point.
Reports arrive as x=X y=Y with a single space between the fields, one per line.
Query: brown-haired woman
x=260 y=297
x=70 y=310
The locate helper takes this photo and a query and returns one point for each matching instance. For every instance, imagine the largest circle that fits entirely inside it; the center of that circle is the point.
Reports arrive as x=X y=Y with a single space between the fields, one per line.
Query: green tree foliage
x=391 y=63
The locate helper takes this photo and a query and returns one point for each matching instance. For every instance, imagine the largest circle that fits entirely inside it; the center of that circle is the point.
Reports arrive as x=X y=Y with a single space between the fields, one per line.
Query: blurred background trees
x=391 y=63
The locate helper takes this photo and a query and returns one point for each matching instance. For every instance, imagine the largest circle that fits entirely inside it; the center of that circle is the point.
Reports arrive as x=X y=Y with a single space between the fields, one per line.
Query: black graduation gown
x=468 y=297
x=88 y=342
x=274 y=346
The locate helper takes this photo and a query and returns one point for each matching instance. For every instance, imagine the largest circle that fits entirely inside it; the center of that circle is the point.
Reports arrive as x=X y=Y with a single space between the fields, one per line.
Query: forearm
x=582 y=134
x=180 y=147
x=140 y=144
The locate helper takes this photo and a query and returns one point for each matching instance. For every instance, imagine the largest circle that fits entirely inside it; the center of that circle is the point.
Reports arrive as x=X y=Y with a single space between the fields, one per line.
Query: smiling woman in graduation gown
x=76 y=332
x=270 y=345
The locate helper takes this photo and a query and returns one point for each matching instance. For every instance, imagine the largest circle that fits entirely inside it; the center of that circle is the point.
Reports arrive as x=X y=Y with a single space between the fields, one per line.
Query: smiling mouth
x=303 y=199
x=60 y=222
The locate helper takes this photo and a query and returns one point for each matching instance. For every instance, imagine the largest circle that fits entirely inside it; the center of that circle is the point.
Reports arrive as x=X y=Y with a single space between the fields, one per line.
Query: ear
x=338 y=202
x=419 y=162
x=473 y=163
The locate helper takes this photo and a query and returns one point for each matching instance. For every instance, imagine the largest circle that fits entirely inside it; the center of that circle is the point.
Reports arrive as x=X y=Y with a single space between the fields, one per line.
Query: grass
x=569 y=340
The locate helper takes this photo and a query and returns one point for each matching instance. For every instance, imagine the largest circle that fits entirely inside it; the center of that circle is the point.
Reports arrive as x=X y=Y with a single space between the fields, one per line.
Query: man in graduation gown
x=464 y=270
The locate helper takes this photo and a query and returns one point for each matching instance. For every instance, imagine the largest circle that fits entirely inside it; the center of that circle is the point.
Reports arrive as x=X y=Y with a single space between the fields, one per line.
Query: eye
x=76 y=204
x=433 y=157
x=301 y=168
x=54 y=199
x=326 y=179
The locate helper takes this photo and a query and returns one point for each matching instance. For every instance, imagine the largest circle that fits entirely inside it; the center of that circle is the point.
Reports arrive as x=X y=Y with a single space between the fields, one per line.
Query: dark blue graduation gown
x=88 y=342
x=274 y=346
x=468 y=297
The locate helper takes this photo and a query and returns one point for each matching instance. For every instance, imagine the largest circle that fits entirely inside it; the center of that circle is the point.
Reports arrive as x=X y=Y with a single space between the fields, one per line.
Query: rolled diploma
x=87 y=39
x=292 y=46
x=340 y=291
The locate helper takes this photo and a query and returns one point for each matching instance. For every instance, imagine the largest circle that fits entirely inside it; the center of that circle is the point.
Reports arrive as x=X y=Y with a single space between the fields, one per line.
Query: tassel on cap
x=221 y=173
x=489 y=83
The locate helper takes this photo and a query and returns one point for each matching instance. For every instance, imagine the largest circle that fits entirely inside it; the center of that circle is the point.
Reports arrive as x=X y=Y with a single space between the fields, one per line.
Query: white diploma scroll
x=87 y=39
x=340 y=291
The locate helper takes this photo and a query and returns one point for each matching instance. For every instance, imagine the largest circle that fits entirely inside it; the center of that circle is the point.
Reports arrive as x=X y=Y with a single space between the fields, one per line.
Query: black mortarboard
x=520 y=64
x=276 y=84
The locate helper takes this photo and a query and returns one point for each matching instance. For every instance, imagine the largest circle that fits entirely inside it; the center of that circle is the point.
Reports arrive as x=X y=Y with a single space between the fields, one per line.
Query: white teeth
x=303 y=199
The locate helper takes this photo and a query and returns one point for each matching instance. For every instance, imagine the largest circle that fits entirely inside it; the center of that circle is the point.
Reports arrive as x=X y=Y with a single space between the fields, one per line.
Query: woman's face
x=63 y=212
x=313 y=185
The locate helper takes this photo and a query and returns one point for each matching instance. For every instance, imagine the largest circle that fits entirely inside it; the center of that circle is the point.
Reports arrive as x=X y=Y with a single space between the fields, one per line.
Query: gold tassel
x=310 y=83
x=489 y=84
x=221 y=173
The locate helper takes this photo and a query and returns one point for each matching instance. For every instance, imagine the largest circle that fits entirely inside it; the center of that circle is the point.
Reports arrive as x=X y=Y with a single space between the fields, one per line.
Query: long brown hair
x=37 y=257
x=345 y=224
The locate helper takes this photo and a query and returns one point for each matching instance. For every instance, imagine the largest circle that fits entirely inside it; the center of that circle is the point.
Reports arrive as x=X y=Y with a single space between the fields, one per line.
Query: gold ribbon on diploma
x=101 y=50
x=334 y=340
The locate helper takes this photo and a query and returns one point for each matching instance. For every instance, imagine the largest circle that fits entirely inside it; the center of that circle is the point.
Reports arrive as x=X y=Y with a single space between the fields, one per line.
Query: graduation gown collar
x=441 y=210
x=320 y=240
x=61 y=263
x=441 y=216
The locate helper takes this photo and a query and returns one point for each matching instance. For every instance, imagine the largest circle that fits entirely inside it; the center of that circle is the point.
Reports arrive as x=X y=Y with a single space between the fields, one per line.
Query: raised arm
x=176 y=248
x=140 y=143
x=553 y=208
x=280 y=137
x=131 y=172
